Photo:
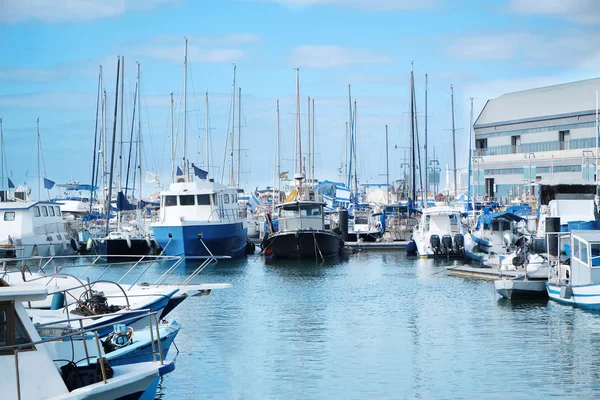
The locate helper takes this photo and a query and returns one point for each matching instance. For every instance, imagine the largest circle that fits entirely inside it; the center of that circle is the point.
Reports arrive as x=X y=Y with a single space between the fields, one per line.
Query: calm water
x=377 y=325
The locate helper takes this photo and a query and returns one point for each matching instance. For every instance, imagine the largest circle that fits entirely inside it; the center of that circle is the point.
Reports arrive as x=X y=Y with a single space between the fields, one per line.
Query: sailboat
x=199 y=218
x=301 y=233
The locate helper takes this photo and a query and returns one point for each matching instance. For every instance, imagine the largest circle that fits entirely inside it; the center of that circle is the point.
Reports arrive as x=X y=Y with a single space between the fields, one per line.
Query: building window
x=204 y=200
x=44 y=211
x=515 y=142
x=9 y=216
x=564 y=137
x=186 y=200
x=481 y=143
x=36 y=211
x=170 y=201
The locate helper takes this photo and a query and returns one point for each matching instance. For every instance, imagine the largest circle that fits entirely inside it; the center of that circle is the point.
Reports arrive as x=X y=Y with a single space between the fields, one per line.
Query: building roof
x=564 y=100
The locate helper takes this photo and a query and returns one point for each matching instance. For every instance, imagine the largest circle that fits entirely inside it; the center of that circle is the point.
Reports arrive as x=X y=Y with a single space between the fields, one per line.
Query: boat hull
x=587 y=296
x=111 y=249
x=308 y=244
x=222 y=239
x=520 y=289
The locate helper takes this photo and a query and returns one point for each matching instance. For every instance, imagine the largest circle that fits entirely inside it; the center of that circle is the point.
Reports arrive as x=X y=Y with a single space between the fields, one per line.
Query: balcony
x=573 y=144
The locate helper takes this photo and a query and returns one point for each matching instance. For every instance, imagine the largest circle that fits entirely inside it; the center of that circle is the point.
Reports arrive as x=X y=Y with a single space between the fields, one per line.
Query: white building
x=549 y=129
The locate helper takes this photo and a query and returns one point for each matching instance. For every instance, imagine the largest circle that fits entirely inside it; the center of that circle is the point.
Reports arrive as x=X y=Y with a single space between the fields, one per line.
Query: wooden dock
x=468 y=271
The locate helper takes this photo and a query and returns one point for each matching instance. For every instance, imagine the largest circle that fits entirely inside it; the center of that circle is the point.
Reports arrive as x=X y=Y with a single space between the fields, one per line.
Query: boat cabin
x=23 y=219
x=198 y=201
x=299 y=215
x=585 y=257
x=445 y=220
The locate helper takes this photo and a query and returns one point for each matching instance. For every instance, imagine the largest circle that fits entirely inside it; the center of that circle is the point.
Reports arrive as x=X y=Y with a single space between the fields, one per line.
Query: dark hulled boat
x=301 y=233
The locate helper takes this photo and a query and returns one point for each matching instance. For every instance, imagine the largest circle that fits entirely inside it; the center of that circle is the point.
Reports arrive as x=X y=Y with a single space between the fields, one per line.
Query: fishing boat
x=439 y=232
x=576 y=279
x=301 y=233
x=29 y=371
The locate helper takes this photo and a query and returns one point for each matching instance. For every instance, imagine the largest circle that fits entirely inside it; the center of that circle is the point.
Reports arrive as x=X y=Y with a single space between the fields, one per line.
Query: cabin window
x=9 y=216
x=234 y=198
x=170 y=201
x=204 y=200
x=36 y=211
x=44 y=211
x=359 y=220
x=226 y=198
x=496 y=226
x=453 y=219
x=575 y=249
x=186 y=200
x=288 y=212
x=583 y=254
x=57 y=208
x=51 y=209
x=12 y=331
x=595 y=250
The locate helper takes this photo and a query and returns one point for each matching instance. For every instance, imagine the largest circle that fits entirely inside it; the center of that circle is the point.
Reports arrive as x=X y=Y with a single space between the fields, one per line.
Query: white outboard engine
x=447 y=244
x=434 y=240
x=459 y=243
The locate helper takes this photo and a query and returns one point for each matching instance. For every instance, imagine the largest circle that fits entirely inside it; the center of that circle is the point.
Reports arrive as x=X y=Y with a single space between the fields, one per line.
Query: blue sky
x=50 y=59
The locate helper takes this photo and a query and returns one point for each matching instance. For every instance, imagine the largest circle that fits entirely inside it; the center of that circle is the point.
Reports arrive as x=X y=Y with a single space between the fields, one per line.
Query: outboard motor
x=459 y=243
x=434 y=240
x=447 y=244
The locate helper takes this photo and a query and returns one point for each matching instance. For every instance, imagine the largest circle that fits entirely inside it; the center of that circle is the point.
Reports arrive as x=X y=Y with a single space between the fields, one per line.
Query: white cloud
x=367 y=5
x=15 y=11
x=308 y=56
x=582 y=11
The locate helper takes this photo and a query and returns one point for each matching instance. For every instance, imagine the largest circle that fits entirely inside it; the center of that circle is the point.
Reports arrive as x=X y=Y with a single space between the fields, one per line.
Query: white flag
x=151 y=178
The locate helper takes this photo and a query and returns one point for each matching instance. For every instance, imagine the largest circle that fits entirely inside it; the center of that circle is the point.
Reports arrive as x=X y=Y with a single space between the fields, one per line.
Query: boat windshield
x=288 y=211
x=310 y=211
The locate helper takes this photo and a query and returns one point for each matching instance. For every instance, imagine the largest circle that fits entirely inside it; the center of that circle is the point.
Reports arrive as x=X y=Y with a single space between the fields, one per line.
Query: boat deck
x=481 y=272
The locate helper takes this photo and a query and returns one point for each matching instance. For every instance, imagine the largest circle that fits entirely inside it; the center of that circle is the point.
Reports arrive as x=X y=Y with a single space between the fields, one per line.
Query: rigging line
x=417 y=139
x=95 y=142
x=131 y=140
x=224 y=166
x=195 y=100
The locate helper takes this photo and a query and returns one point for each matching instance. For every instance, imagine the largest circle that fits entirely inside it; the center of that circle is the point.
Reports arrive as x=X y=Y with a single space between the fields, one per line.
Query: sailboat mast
x=104 y=145
x=172 y=141
x=308 y=181
x=239 y=158
x=350 y=143
x=597 y=132
x=426 y=165
x=114 y=136
x=276 y=161
x=2 y=160
x=184 y=108
x=38 y=160
x=313 y=143
x=412 y=136
x=387 y=168
x=140 y=152
x=231 y=178
x=207 y=129
x=471 y=156
x=453 y=139
x=355 y=131
x=298 y=120
x=121 y=122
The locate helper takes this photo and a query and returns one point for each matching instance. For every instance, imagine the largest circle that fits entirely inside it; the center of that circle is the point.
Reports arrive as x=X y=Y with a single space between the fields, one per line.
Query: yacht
x=200 y=219
x=439 y=232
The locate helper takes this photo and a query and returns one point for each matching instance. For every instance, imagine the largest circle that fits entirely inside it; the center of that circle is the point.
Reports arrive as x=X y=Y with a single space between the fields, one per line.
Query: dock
x=468 y=271
x=399 y=245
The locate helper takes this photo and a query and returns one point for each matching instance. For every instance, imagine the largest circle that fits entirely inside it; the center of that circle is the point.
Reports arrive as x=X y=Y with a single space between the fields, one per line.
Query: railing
x=573 y=144
x=80 y=334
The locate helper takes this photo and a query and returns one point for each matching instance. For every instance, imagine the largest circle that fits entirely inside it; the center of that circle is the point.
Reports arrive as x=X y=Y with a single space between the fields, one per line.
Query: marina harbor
x=288 y=199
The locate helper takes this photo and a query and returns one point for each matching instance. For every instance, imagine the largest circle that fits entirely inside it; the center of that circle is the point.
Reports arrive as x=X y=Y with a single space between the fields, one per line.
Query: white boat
x=578 y=282
x=75 y=200
x=520 y=287
x=34 y=228
x=28 y=370
x=439 y=232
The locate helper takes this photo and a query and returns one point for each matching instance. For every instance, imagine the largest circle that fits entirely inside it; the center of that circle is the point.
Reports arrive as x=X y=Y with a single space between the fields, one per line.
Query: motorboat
x=439 y=232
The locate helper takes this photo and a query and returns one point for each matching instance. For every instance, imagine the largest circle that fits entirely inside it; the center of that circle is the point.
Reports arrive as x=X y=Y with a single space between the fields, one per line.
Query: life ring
x=73 y=244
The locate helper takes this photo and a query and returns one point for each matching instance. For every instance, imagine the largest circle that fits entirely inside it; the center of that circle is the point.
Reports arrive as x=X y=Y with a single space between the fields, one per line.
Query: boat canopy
x=487 y=219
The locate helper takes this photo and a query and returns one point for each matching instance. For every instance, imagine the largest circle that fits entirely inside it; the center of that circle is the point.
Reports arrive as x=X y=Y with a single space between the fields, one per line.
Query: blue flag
x=179 y=172
x=200 y=173
x=48 y=184
x=10 y=184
